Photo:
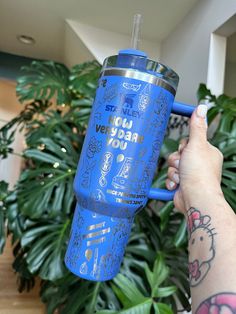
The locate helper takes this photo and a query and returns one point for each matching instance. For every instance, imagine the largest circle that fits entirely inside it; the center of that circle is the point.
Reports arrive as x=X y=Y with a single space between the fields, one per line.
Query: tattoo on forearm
x=221 y=303
x=201 y=234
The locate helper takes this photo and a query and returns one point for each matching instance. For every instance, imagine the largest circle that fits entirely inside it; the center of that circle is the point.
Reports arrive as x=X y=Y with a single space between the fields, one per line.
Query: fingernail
x=176 y=178
x=176 y=163
x=202 y=111
x=171 y=184
x=180 y=147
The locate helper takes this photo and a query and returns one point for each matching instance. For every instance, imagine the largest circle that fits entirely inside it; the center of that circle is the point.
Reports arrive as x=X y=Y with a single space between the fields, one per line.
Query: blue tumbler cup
x=133 y=103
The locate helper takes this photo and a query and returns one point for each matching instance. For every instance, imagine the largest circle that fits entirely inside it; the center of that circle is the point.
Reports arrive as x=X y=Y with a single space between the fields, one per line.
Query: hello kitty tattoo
x=200 y=234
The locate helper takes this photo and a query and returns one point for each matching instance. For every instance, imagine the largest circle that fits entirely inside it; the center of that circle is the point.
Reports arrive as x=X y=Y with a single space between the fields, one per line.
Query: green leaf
x=230 y=196
x=183 y=299
x=45 y=249
x=3 y=196
x=44 y=157
x=6 y=139
x=74 y=295
x=164 y=213
x=169 y=146
x=181 y=236
x=50 y=187
x=229 y=164
x=229 y=150
x=142 y=250
x=25 y=279
x=2 y=230
x=16 y=221
x=164 y=292
x=3 y=190
x=130 y=291
x=159 y=182
x=226 y=122
x=78 y=298
x=161 y=308
x=160 y=270
x=211 y=114
x=158 y=276
x=107 y=312
x=142 y=308
x=84 y=78
x=203 y=93
x=44 y=80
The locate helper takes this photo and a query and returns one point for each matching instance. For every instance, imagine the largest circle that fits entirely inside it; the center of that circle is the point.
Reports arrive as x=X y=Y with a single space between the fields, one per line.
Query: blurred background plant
x=37 y=213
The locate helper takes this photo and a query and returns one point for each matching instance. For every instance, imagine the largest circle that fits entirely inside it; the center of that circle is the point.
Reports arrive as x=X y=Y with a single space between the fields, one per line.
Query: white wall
x=216 y=64
x=101 y=43
x=75 y=51
x=186 y=49
x=230 y=79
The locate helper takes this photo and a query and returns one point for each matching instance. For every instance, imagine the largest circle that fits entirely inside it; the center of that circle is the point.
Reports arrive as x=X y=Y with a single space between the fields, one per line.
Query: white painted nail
x=202 y=111
x=176 y=178
x=176 y=163
x=180 y=148
x=171 y=184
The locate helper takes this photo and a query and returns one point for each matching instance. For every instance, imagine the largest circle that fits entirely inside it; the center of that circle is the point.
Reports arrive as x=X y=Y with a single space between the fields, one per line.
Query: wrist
x=204 y=197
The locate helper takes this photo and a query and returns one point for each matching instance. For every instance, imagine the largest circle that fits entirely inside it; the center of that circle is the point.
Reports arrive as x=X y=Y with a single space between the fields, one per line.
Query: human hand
x=197 y=165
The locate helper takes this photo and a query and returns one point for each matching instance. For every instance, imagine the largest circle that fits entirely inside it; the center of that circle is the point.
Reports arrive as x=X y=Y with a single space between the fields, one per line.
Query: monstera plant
x=38 y=212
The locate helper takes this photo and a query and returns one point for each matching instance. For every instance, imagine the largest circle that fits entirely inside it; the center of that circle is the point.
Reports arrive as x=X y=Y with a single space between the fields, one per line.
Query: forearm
x=212 y=247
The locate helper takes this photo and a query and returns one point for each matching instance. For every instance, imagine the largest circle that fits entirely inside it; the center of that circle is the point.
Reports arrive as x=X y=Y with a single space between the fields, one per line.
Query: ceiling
x=44 y=20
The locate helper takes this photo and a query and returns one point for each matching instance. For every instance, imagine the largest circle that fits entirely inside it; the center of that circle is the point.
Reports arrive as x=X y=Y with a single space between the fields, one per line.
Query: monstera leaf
x=203 y=93
x=44 y=248
x=44 y=80
x=63 y=128
x=25 y=279
x=74 y=295
x=25 y=117
x=84 y=78
x=83 y=83
x=6 y=139
x=222 y=105
x=49 y=181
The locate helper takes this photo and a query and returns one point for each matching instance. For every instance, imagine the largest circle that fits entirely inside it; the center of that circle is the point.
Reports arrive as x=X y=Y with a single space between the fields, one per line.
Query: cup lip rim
x=113 y=70
x=174 y=80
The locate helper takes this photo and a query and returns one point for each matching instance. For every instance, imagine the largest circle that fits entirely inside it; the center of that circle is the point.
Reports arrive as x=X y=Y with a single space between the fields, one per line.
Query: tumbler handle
x=163 y=194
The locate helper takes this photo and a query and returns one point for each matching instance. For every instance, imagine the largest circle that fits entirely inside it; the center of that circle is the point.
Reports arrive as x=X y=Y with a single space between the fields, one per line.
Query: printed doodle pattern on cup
x=134 y=87
x=75 y=239
x=105 y=168
x=95 y=235
x=110 y=92
x=120 y=181
x=94 y=147
x=144 y=98
x=158 y=116
x=88 y=167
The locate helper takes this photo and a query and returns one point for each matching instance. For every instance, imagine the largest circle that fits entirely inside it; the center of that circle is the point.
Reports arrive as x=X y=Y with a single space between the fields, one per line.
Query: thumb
x=198 y=125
